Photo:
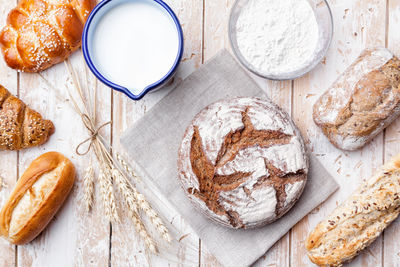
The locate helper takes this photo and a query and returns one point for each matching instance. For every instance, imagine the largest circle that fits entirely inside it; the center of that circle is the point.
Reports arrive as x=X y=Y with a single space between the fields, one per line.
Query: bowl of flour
x=280 y=39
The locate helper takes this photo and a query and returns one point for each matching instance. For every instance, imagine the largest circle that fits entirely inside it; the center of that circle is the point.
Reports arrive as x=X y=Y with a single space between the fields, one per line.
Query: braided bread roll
x=42 y=33
x=20 y=126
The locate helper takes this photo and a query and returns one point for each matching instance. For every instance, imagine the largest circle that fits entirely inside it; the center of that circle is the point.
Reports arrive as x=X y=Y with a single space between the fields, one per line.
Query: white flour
x=277 y=36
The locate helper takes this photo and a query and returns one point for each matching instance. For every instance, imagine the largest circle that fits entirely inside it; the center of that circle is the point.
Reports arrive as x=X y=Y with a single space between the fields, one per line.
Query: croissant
x=42 y=33
x=20 y=126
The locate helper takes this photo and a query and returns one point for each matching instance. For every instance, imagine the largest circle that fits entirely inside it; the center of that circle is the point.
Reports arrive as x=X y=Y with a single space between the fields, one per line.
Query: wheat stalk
x=107 y=194
x=126 y=166
x=131 y=203
x=152 y=214
x=88 y=184
x=123 y=187
x=141 y=229
x=144 y=204
x=113 y=169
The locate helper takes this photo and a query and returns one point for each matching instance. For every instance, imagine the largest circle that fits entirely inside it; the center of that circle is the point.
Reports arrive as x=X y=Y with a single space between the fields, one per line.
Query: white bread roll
x=36 y=198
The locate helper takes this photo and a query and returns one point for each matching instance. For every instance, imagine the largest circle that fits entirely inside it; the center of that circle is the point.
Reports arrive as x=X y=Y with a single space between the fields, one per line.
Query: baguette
x=37 y=196
x=358 y=221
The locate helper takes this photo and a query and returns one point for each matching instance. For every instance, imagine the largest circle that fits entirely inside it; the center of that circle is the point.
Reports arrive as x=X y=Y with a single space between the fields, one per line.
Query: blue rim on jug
x=115 y=86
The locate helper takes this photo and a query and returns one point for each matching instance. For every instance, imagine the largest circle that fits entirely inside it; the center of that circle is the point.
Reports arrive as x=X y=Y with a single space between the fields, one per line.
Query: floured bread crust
x=358 y=221
x=242 y=162
x=362 y=101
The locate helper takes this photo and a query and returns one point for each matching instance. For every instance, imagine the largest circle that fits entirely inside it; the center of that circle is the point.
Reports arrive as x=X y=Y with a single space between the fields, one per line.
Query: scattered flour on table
x=277 y=36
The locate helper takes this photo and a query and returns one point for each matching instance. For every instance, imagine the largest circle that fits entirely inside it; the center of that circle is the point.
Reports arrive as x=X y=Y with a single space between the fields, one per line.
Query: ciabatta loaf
x=358 y=221
x=362 y=101
x=37 y=196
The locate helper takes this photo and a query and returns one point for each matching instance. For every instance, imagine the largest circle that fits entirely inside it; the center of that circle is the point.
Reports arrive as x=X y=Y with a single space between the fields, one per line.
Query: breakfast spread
x=133 y=44
x=242 y=162
x=363 y=101
x=37 y=196
x=20 y=126
x=42 y=33
x=277 y=36
x=359 y=220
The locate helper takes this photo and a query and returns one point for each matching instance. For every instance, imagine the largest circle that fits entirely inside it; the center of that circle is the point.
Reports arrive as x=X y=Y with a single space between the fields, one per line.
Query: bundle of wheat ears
x=114 y=170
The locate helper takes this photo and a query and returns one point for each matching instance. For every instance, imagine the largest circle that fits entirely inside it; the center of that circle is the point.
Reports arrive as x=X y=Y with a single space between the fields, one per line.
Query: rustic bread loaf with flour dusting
x=242 y=162
x=363 y=101
x=358 y=221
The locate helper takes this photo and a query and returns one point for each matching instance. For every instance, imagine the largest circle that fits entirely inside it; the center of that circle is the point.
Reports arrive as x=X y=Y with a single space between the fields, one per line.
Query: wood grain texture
x=215 y=34
x=392 y=139
x=76 y=238
x=216 y=19
x=126 y=112
x=358 y=24
x=70 y=239
x=8 y=160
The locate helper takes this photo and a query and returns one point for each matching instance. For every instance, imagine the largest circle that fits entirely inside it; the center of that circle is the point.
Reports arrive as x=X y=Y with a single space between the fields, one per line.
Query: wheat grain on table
x=77 y=239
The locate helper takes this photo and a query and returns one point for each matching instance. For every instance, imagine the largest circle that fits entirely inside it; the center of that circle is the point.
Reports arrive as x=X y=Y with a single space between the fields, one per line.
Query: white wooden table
x=75 y=238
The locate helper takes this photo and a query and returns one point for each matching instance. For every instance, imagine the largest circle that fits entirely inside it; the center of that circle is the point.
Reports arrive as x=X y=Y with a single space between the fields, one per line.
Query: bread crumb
x=358 y=165
x=2 y=184
x=309 y=95
x=182 y=237
x=346 y=11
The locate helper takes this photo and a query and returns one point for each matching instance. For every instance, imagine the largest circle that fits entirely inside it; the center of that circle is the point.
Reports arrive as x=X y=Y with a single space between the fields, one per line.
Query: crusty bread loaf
x=242 y=162
x=41 y=33
x=37 y=196
x=362 y=101
x=358 y=221
x=20 y=126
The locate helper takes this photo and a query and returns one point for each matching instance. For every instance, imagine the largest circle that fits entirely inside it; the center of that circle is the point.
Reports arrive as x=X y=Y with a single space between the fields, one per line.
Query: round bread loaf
x=242 y=162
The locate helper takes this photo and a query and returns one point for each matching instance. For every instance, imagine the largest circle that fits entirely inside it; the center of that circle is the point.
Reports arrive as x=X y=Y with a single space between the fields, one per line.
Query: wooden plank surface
x=357 y=24
x=71 y=238
x=216 y=19
x=8 y=160
x=391 y=250
x=126 y=112
x=75 y=238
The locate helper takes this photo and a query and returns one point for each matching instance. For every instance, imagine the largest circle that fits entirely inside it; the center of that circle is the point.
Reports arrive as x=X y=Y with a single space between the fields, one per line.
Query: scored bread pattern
x=20 y=126
x=211 y=183
x=41 y=33
x=257 y=173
